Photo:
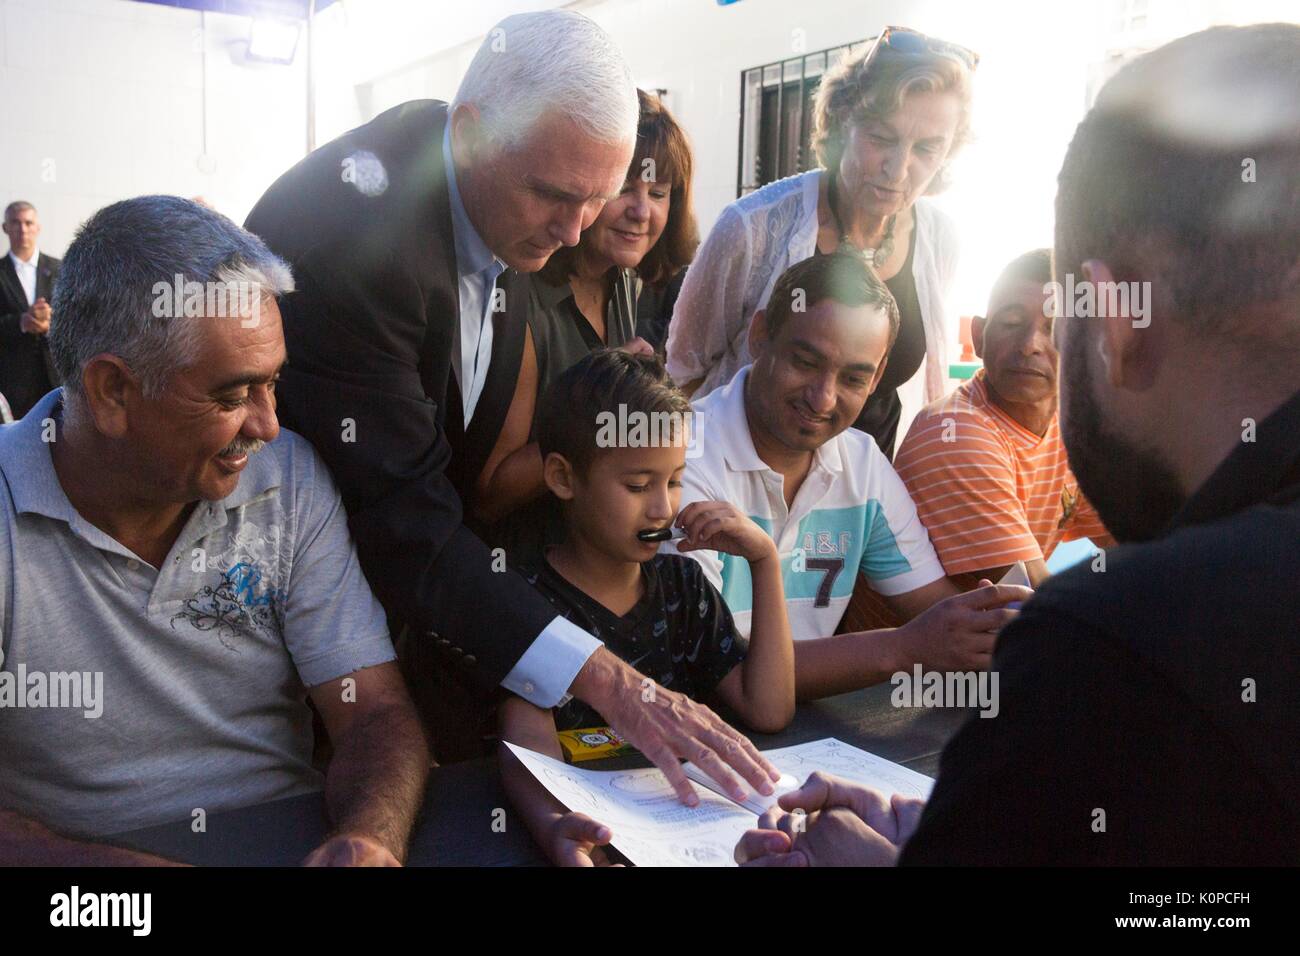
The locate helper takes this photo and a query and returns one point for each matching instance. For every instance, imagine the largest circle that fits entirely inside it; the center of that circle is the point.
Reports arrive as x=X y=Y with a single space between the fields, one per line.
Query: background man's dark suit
x=26 y=372
x=369 y=334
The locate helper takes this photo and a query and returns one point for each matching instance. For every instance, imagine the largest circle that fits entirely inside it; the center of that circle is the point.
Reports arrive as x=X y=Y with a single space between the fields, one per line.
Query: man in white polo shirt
x=176 y=573
x=776 y=443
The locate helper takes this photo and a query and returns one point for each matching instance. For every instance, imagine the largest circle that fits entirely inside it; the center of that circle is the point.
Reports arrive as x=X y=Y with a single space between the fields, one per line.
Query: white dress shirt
x=547 y=669
x=27 y=274
x=477 y=269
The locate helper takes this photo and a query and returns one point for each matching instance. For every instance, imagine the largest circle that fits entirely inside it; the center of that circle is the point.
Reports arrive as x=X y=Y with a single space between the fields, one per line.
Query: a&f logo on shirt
x=825 y=553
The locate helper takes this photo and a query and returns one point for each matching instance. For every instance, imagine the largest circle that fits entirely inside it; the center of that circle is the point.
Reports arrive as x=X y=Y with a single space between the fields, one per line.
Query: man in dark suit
x=403 y=236
x=27 y=278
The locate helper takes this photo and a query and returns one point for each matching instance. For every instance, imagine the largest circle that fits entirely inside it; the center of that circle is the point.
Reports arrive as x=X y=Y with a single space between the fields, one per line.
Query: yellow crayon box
x=592 y=743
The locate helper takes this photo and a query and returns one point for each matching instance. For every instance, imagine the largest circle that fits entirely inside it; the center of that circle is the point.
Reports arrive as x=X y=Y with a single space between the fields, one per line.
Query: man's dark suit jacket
x=26 y=371
x=365 y=223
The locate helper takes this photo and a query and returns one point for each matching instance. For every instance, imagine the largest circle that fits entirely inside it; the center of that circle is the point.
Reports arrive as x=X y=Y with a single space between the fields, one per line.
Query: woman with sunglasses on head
x=887 y=122
x=585 y=298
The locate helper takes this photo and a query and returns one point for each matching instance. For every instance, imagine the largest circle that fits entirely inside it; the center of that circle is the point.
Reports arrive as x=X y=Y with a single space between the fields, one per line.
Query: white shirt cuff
x=551 y=664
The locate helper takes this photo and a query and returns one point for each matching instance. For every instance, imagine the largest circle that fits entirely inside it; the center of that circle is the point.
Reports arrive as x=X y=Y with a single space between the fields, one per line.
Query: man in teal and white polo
x=776 y=442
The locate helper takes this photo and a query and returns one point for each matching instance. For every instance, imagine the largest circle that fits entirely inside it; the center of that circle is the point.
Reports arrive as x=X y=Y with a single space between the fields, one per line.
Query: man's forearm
x=24 y=842
x=376 y=780
x=769 y=667
x=827 y=666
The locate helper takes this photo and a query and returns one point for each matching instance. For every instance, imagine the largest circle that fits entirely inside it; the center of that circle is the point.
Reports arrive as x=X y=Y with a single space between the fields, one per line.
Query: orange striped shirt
x=989 y=491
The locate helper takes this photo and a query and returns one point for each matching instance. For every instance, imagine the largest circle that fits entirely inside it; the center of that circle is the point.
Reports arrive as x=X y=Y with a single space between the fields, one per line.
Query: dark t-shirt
x=680 y=633
x=1157 y=698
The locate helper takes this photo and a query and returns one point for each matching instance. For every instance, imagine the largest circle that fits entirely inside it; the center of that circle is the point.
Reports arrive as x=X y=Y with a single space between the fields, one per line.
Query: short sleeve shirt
x=989 y=491
x=851 y=516
x=132 y=695
x=680 y=633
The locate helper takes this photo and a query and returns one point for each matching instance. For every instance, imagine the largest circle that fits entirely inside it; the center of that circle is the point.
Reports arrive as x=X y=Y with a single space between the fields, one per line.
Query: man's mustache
x=242 y=446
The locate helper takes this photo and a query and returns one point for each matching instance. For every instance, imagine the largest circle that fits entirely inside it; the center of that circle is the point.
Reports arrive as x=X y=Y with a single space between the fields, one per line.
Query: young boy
x=658 y=611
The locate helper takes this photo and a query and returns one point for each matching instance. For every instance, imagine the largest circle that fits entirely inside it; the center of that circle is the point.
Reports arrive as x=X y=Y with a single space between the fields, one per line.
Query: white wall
x=102 y=99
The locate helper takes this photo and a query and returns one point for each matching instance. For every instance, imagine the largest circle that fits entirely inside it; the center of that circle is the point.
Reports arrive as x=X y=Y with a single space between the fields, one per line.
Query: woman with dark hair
x=585 y=298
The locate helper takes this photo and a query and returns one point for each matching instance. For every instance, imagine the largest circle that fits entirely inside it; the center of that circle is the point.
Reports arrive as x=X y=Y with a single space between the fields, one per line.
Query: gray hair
x=530 y=64
x=18 y=205
x=107 y=297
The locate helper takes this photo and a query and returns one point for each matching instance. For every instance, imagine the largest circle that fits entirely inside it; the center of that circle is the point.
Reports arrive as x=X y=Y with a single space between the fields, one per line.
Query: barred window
x=776 y=116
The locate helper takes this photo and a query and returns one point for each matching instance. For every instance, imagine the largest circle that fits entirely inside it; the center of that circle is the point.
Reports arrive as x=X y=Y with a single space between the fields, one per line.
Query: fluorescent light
x=274 y=41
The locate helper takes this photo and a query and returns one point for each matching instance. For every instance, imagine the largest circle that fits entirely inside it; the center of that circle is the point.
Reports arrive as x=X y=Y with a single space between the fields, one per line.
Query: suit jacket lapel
x=503 y=371
x=473 y=444
x=442 y=303
x=9 y=276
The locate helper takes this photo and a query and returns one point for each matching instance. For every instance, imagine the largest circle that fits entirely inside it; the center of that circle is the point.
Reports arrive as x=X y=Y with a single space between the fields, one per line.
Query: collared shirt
x=198 y=668
x=1158 y=687
x=851 y=512
x=26 y=273
x=477 y=269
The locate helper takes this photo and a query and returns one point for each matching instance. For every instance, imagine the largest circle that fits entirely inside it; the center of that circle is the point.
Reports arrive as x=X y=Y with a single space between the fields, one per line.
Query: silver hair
x=108 y=294
x=18 y=205
x=552 y=61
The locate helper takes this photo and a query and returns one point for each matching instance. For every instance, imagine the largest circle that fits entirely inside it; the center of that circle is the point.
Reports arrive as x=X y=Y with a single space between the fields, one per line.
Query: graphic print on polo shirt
x=244 y=592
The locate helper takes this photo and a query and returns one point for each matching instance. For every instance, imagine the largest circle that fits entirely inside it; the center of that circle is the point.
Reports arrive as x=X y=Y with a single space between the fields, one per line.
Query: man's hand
x=958 y=633
x=721 y=526
x=575 y=839
x=351 y=849
x=36 y=320
x=667 y=726
x=831 y=822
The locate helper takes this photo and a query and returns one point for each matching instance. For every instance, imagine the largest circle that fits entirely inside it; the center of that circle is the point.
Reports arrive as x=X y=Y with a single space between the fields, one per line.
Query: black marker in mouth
x=660 y=534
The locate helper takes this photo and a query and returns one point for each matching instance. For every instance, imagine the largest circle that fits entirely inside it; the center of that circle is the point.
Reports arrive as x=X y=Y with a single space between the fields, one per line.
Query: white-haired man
x=404 y=234
x=176 y=576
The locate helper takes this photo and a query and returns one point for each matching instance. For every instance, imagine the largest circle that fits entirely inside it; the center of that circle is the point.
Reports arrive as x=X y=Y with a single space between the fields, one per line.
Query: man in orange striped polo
x=985 y=465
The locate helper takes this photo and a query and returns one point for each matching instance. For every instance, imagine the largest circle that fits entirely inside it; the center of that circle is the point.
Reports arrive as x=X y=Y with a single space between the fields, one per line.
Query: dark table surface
x=456 y=825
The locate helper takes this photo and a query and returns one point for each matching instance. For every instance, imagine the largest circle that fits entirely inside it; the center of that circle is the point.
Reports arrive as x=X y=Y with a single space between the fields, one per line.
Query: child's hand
x=721 y=526
x=575 y=839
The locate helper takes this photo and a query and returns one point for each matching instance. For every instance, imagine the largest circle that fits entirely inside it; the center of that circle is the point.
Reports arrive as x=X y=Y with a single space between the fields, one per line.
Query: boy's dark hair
x=568 y=416
x=843 y=277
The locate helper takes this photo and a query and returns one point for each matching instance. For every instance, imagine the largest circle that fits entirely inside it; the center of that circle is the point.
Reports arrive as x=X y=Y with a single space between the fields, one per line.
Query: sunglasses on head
x=906 y=40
